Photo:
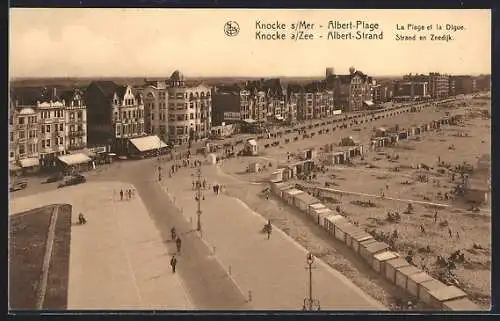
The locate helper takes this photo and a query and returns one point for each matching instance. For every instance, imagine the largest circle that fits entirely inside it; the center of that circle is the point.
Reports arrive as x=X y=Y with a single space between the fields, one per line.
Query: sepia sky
x=155 y=42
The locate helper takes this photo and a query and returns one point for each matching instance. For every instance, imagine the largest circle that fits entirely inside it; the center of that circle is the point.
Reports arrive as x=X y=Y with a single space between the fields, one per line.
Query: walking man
x=173 y=233
x=129 y=194
x=435 y=216
x=121 y=195
x=173 y=263
x=269 y=229
x=178 y=244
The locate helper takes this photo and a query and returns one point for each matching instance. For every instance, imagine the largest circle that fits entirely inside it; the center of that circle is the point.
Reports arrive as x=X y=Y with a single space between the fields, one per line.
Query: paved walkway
x=118 y=260
x=272 y=270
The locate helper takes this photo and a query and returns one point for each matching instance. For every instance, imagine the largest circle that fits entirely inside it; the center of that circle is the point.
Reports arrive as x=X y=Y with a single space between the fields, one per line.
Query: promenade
x=118 y=260
x=270 y=272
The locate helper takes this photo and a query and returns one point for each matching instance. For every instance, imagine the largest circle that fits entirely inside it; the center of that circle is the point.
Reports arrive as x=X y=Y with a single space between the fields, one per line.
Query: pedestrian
x=269 y=229
x=386 y=187
x=178 y=244
x=192 y=184
x=204 y=183
x=213 y=188
x=450 y=233
x=133 y=193
x=173 y=263
x=173 y=233
x=435 y=216
x=422 y=229
x=458 y=236
x=130 y=194
x=121 y=195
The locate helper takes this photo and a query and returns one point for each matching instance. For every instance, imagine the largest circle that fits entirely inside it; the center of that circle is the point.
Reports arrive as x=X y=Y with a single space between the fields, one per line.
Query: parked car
x=18 y=186
x=54 y=178
x=73 y=180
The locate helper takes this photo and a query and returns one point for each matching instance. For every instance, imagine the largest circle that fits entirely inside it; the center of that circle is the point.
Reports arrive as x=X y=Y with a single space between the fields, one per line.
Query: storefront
x=29 y=165
x=74 y=163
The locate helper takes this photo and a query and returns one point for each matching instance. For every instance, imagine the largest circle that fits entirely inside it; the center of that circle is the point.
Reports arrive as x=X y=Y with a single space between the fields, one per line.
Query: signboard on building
x=337 y=112
x=97 y=149
x=232 y=116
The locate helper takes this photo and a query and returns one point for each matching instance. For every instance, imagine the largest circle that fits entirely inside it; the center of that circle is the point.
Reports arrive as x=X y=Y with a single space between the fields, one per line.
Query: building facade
x=76 y=120
x=439 y=85
x=189 y=110
x=411 y=90
x=115 y=115
x=156 y=109
x=351 y=92
x=464 y=85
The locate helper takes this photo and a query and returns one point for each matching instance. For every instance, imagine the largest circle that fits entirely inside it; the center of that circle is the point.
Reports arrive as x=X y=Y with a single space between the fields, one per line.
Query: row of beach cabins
x=390 y=265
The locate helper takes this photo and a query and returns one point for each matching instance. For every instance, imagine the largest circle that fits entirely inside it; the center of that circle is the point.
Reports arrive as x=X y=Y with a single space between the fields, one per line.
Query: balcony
x=77 y=133
x=76 y=146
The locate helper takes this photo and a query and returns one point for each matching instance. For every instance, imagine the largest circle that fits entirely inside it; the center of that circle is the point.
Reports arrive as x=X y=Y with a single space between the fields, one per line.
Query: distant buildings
x=464 y=85
x=483 y=83
x=411 y=90
x=115 y=115
x=382 y=93
x=351 y=92
x=439 y=85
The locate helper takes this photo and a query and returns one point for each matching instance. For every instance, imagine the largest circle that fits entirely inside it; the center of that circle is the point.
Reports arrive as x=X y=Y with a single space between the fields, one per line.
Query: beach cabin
x=368 y=250
x=313 y=208
x=339 y=226
x=329 y=223
x=427 y=287
x=379 y=259
x=462 y=304
x=442 y=295
x=392 y=265
x=279 y=187
x=289 y=195
x=321 y=214
x=304 y=200
x=277 y=175
x=254 y=167
x=356 y=239
x=414 y=280
x=251 y=147
x=403 y=273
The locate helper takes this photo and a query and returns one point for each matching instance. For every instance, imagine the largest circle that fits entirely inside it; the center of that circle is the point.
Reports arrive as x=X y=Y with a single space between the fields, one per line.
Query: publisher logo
x=231 y=28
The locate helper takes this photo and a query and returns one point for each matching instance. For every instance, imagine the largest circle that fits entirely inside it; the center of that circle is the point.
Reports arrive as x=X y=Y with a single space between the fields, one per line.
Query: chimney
x=54 y=93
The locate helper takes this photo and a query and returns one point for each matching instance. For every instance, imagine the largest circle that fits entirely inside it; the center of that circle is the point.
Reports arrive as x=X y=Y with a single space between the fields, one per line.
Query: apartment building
x=115 y=115
x=230 y=104
x=189 y=110
x=439 y=85
x=45 y=123
x=75 y=119
x=411 y=90
x=464 y=85
x=351 y=92
x=156 y=108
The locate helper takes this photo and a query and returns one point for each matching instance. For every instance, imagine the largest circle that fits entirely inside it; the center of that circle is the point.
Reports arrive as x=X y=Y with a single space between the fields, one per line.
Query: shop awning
x=368 y=103
x=249 y=121
x=29 y=162
x=74 y=159
x=147 y=143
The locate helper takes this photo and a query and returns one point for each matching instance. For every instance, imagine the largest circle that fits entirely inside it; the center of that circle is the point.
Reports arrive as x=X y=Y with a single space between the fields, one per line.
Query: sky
x=74 y=42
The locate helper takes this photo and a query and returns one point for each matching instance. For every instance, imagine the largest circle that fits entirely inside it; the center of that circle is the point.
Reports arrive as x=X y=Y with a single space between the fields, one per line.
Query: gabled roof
x=106 y=87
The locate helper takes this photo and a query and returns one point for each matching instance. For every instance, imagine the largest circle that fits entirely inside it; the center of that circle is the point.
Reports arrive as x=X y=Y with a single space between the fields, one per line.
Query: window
x=72 y=116
x=43 y=143
x=47 y=142
x=22 y=149
x=80 y=128
x=124 y=115
x=11 y=154
x=61 y=127
x=134 y=114
x=21 y=120
x=11 y=136
x=11 y=120
x=61 y=141
x=47 y=129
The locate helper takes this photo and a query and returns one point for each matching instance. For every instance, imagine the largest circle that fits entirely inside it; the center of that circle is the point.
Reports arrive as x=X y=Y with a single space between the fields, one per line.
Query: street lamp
x=199 y=197
x=310 y=304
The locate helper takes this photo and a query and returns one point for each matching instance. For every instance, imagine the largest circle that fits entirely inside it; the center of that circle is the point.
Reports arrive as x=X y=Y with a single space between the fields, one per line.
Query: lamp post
x=310 y=303
x=199 y=196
